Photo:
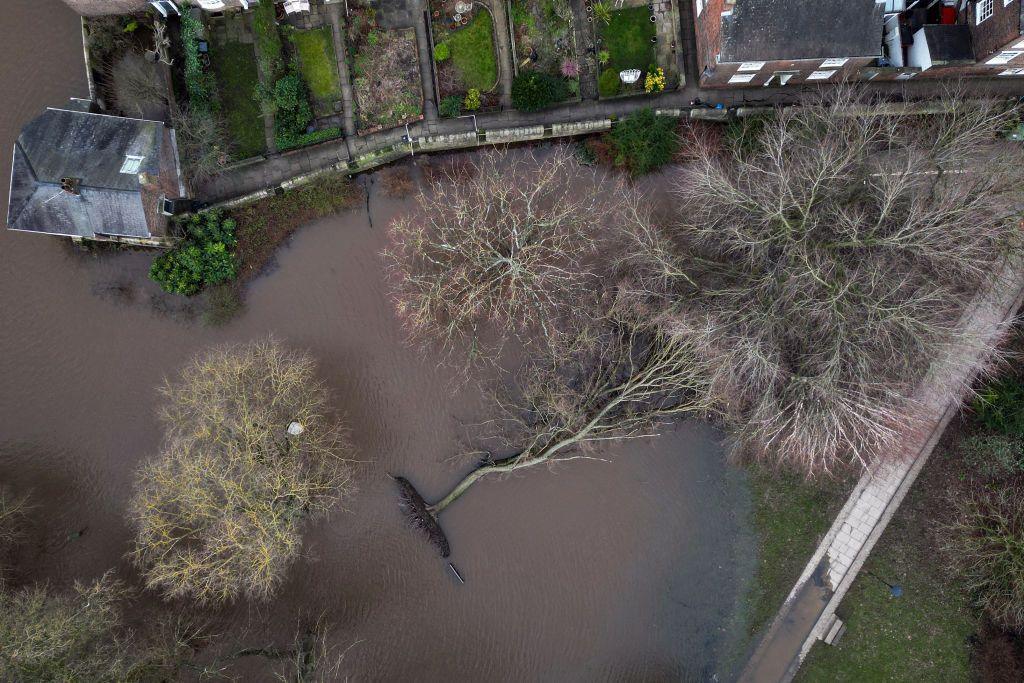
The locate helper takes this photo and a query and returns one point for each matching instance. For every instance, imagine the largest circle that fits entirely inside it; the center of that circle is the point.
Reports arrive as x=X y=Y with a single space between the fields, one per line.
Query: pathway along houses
x=738 y=44
x=748 y=43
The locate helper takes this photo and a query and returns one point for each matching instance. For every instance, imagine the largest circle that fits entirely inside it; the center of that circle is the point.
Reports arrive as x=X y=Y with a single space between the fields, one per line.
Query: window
x=834 y=62
x=1012 y=72
x=751 y=66
x=820 y=75
x=1004 y=57
x=983 y=10
x=700 y=7
x=742 y=78
x=131 y=164
x=1006 y=2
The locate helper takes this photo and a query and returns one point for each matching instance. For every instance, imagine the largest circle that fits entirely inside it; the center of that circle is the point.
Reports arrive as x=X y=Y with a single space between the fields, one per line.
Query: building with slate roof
x=92 y=176
x=746 y=43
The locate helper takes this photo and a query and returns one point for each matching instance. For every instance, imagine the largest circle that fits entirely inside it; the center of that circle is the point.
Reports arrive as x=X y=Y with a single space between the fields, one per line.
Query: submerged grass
x=263 y=226
x=791 y=515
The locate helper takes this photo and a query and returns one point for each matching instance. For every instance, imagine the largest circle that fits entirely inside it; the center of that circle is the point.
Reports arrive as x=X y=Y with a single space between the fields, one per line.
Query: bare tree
x=618 y=381
x=824 y=263
x=202 y=142
x=46 y=635
x=505 y=246
x=137 y=84
x=251 y=452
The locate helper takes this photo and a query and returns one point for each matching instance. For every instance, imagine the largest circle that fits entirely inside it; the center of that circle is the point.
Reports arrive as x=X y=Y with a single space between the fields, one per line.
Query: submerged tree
x=616 y=382
x=79 y=635
x=251 y=453
x=505 y=246
x=824 y=263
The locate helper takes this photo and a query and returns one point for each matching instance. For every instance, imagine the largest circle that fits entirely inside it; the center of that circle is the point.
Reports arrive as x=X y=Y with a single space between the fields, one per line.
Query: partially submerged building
x=92 y=176
x=743 y=43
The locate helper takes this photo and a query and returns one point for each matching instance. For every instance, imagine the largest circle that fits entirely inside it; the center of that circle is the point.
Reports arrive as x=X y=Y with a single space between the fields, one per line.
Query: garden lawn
x=923 y=635
x=237 y=78
x=628 y=39
x=318 y=62
x=472 y=49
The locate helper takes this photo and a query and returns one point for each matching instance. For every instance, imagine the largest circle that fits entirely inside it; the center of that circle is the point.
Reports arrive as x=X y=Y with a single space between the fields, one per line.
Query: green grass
x=473 y=52
x=237 y=78
x=318 y=63
x=628 y=39
x=269 y=40
x=790 y=517
x=921 y=636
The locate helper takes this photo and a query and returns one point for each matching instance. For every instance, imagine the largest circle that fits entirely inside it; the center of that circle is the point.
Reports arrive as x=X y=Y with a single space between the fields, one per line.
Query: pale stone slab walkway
x=808 y=614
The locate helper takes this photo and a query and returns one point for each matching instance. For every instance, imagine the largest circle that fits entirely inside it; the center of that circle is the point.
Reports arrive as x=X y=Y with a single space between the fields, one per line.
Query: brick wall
x=709 y=33
x=994 y=33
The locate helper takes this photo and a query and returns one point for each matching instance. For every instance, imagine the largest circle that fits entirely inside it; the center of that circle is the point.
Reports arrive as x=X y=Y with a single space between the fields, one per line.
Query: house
x=168 y=8
x=953 y=38
x=744 y=43
x=778 y=42
x=92 y=176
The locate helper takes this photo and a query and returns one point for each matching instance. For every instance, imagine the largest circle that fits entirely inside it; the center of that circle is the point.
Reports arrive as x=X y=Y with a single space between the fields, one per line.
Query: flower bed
x=464 y=56
x=385 y=73
x=544 y=40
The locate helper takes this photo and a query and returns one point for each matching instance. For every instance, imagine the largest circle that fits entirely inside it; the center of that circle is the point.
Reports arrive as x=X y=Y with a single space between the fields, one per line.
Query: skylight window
x=131 y=164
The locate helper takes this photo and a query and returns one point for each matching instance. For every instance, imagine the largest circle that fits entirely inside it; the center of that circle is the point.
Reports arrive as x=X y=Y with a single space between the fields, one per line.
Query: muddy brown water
x=623 y=570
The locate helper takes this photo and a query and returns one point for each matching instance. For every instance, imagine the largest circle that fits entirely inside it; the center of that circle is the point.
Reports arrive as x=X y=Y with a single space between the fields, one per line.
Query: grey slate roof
x=91 y=147
x=766 y=30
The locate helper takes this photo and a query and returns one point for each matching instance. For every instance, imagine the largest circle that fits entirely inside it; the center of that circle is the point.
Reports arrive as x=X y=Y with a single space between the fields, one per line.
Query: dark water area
x=629 y=569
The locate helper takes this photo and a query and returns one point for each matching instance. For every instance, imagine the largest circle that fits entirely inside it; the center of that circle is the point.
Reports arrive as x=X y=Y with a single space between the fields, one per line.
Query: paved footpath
x=808 y=615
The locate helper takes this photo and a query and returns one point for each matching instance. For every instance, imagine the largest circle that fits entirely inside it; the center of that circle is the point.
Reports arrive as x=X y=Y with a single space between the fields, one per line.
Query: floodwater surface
x=628 y=569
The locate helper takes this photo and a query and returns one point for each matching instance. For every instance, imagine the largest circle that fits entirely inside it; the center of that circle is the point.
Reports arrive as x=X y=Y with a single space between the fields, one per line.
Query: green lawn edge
x=627 y=38
x=472 y=52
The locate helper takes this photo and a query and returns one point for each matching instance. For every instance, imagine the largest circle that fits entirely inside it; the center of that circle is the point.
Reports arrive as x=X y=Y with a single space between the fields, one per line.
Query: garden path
x=336 y=20
x=586 y=53
x=808 y=615
x=426 y=60
x=503 y=46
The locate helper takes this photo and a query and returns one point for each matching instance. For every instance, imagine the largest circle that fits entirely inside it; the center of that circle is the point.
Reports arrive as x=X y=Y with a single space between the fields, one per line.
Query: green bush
x=204 y=256
x=198 y=82
x=986 y=542
x=472 y=101
x=1000 y=406
x=292 y=112
x=535 y=90
x=643 y=142
x=450 y=106
x=608 y=83
x=286 y=142
x=442 y=51
x=271 y=47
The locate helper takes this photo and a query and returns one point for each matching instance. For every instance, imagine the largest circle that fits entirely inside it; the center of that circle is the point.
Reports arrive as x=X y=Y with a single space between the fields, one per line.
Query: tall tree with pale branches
x=824 y=263
x=506 y=248
x=251 y=452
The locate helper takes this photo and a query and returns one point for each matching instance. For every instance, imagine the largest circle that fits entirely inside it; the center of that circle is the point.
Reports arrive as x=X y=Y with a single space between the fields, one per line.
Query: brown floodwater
x=630 y=569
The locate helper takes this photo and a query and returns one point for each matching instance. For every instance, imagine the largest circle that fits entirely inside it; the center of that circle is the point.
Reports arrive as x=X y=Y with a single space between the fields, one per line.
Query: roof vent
x=71 y=185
